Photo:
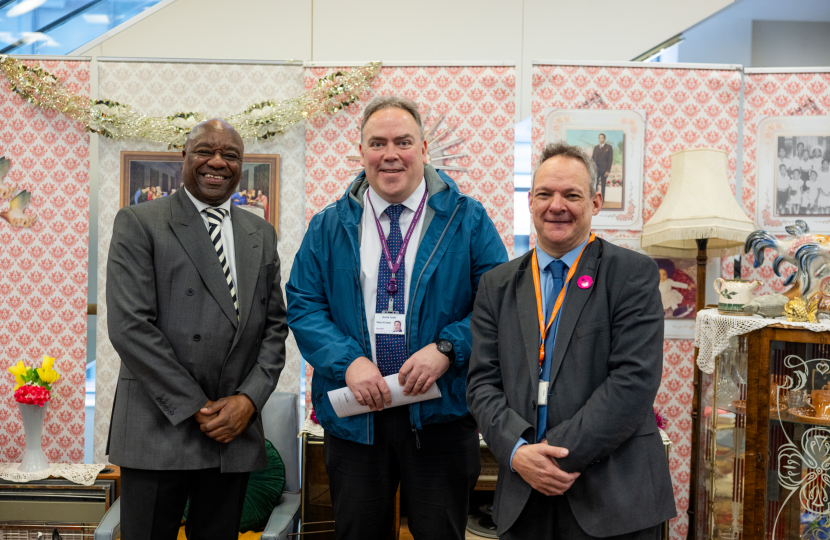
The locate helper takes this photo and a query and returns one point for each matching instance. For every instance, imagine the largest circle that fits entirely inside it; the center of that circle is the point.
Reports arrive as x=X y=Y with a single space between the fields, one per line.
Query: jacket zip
x=415 y=292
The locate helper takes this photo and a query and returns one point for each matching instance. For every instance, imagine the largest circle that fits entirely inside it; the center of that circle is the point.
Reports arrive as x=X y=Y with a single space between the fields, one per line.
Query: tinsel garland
x=117 y=120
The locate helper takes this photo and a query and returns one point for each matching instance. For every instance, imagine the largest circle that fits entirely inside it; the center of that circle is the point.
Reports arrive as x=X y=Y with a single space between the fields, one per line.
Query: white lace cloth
x=80 y=473
x=713 y=330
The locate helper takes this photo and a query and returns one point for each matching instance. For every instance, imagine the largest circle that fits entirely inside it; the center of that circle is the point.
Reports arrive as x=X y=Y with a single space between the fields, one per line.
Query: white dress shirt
x=371 y=249
x=226 y=232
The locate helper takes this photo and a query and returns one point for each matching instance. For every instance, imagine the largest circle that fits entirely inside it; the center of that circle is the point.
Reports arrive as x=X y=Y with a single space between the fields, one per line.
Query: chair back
x=280 y=421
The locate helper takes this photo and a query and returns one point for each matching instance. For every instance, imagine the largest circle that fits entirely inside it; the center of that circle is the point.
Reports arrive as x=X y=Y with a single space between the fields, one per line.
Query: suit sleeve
x=620 y=405
x=486 y=252
x=263 y=378
x=500 y=425
x=321 y=342
x=131 y=314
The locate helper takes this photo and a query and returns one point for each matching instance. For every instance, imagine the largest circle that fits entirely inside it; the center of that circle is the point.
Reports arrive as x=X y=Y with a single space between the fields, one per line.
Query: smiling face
x=393 y=154
x=561 y=204
x=212 y=162
x=663 y=275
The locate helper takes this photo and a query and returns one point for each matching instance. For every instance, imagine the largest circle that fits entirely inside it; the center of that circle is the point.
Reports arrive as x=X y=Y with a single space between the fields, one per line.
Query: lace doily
x=80 y=473
x=713 y=330
x=311 y=427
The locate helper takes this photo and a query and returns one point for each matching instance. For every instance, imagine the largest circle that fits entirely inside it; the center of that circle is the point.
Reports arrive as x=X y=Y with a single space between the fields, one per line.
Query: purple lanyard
x=392 y=285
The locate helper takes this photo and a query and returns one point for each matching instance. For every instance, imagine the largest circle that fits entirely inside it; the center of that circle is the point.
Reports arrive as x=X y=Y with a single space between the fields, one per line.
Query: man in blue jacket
x=403 y=243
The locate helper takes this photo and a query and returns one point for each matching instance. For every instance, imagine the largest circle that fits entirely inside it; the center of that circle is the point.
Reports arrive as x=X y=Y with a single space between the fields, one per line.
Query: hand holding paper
x=345 y=404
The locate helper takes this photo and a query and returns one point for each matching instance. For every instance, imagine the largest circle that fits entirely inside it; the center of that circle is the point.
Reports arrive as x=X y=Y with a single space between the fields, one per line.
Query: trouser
x=152 y=504
x=546 y=517
x=601 y=181
x=436 y=467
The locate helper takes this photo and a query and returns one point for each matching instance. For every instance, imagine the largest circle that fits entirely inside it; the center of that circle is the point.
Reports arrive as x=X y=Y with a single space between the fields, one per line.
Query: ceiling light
x=25 y=6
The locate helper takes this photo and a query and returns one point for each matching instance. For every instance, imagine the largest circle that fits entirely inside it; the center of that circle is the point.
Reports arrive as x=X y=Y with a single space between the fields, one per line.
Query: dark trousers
x=436 y=467
x=152 y=504
x=601 y=181
x=546 y=517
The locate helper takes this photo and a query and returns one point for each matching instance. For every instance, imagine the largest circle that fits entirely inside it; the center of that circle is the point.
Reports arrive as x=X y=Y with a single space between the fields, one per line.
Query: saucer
x=806 y=413
x=740 y=407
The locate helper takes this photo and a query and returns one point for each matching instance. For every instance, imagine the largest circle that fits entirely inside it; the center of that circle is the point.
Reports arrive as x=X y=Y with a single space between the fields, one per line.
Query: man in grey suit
x=568 y=412
x=197 y=316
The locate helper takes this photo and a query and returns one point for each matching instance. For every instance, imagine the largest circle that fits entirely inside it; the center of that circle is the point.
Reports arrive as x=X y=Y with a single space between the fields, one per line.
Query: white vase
x=34 y=459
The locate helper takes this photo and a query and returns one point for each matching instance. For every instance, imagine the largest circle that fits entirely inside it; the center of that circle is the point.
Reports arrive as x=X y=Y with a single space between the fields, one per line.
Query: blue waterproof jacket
x=325 y=302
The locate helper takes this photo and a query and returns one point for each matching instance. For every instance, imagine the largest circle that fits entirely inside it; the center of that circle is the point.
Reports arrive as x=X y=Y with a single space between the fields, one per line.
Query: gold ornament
x=118 y=121
x=796 y=311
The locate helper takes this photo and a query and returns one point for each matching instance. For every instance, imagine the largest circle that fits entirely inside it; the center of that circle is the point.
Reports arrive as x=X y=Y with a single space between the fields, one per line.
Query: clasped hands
x=417 y=375
x=536 y=463
x=224 y=419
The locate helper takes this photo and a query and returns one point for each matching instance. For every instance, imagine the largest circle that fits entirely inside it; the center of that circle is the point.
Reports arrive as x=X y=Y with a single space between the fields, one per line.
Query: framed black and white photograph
x=149 y=175
x=793 y=172
x=616 y=142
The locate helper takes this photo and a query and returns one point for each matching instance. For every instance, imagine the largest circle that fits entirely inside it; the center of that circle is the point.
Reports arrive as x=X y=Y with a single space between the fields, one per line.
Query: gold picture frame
x=162 y=170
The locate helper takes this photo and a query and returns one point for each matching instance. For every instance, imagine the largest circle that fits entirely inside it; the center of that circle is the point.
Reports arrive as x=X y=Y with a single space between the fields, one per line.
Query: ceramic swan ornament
x=16 y=215
x=809 y=253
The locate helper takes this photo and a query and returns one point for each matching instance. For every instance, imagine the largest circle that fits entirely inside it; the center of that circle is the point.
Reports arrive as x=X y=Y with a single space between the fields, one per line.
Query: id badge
x=542 y=399
x=390 y=323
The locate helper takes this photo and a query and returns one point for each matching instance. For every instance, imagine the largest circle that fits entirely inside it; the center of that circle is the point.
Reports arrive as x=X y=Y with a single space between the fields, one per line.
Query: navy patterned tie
x=390 y=350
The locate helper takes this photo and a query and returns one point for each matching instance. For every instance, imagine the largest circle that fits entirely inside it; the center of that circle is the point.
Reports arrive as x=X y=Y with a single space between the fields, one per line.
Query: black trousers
x=437 y=468
x=546 y=517
x=601 y=181
x=152 y=504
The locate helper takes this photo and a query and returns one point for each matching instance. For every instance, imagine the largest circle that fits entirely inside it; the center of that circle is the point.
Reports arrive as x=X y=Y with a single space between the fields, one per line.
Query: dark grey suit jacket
x=605 y=372
x=171 y=320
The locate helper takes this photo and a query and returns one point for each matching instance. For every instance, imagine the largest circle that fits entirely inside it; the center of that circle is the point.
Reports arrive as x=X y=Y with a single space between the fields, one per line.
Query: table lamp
x=699 y=216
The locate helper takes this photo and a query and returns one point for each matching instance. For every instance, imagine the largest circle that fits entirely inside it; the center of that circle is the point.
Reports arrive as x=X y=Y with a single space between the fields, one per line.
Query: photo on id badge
x=390 y=323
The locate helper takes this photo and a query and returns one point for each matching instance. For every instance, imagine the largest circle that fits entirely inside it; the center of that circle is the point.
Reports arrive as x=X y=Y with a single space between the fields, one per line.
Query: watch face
x=444 y=346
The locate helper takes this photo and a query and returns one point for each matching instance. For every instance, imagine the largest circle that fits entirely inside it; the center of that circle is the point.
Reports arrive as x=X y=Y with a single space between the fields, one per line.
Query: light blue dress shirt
x=545 y=284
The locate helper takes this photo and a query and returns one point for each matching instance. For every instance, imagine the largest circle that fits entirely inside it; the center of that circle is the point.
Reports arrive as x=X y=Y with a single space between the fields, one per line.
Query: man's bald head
x=212 y=161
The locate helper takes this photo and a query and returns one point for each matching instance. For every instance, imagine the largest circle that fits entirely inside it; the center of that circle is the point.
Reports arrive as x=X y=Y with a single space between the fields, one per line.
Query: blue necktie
x=390 y=350
x=553 y=286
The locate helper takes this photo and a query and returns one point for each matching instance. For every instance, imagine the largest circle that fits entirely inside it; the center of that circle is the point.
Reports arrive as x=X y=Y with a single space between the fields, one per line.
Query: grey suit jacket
x=605 y=372
x=171 y=320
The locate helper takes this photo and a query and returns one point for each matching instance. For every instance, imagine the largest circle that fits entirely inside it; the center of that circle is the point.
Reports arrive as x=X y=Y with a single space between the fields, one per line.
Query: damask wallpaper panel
x=43 y=269
x=216 y=90
x=686 y=107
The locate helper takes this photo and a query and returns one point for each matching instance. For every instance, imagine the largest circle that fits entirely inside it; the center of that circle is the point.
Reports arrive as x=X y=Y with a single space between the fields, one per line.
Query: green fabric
x=265 y=488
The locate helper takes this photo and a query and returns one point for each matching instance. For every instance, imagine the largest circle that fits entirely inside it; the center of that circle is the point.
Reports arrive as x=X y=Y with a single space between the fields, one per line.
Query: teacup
x=821 y=403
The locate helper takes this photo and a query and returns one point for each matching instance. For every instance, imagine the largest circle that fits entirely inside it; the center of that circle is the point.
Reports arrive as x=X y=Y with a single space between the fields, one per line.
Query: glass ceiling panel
x=58 y=27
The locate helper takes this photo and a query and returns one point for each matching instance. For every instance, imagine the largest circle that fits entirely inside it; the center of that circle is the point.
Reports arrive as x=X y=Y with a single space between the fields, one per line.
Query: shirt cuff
x=521 y=442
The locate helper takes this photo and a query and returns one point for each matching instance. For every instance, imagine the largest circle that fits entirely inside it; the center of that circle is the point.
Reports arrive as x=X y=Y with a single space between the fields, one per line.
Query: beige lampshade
x=699 y=204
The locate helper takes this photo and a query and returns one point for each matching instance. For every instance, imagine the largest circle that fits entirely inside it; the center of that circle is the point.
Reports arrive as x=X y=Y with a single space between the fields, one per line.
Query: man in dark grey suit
x=603 y=157
x=197 y=316
x=569 y=415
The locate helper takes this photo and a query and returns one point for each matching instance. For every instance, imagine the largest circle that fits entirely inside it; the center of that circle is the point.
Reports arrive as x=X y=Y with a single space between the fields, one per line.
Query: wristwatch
x=445 y=347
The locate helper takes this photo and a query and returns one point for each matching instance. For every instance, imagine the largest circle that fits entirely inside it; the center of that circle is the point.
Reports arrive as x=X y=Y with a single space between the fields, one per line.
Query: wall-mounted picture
x=793 y=172
x=615 y=140
x=150 y=175
x=607 y=148
x=678 y=287
x=802 y=176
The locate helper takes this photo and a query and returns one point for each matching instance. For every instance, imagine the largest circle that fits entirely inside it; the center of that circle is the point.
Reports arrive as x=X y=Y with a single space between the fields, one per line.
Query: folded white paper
x=345 y=404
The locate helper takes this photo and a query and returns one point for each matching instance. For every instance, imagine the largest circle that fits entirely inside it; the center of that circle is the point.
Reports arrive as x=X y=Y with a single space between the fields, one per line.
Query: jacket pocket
x=593 y=328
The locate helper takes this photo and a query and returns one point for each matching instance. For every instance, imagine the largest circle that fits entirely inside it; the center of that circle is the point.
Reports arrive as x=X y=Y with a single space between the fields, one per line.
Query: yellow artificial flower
x=48 y=362
x=48 y=375
x=18 y=371
x=19 y=380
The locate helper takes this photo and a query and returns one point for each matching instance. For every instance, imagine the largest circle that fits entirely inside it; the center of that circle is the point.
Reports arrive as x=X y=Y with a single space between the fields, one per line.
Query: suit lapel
x=189 y=228
x=248 y=254
x=528 y=318
x=574 y=302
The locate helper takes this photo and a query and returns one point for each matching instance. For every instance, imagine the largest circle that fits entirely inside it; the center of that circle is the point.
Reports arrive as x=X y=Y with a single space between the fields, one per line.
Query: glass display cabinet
x=764 y=469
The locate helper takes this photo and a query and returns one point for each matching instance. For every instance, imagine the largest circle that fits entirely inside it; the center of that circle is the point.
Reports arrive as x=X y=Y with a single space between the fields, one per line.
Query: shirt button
x=533 y=404
x=197 y=337
x=190 y=292
x=263 y=300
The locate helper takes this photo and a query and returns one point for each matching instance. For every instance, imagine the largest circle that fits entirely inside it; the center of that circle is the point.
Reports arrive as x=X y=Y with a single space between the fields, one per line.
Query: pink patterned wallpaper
x=43 y=270
x=685 y=108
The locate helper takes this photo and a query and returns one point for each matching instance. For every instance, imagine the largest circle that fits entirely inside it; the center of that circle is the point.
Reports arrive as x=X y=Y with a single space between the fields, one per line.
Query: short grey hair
x=393 y=102
x=561 y=148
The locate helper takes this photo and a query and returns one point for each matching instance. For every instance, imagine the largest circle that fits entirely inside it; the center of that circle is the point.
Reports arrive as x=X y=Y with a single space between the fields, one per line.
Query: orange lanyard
x=542 y=328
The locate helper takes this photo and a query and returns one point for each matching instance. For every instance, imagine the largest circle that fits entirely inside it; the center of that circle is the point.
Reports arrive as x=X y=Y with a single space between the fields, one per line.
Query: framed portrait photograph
x=149 y=175
x=616 y=142
x=793 y=172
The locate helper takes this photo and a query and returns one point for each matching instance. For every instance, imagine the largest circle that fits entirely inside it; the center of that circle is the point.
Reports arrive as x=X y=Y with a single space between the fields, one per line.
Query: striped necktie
x=215 y=217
